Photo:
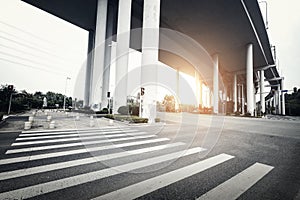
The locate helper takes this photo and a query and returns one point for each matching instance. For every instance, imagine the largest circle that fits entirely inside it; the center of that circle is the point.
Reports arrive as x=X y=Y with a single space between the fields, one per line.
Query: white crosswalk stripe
x=66 y=134
x=150 y=185
x=73 y=132
x=237 y=185
x=29 y=149
x=108 y=146
x=85 y=150
x=80 y=137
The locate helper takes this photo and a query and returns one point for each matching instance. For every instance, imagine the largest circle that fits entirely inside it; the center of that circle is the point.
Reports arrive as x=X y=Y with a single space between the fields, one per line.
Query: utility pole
x=65 y=93
x=10 y=89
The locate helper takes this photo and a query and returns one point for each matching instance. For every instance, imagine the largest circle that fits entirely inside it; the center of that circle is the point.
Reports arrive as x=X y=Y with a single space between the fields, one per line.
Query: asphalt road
x=188 y=157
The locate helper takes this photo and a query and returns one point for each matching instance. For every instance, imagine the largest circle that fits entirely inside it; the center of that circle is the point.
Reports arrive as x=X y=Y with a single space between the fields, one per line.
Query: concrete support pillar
x=235 y=100
x=88 y=72
x=99 y=52
x=198 y=88
x=249 y=78
x=283 y=99
x=200 y=93
x=224 y=102
x=262 y=90
x=243 y=100
x=107 y=58
x=276 y=103
x=177 y=89
x=216 y=84
x=150 y=46
x=123 y=40
x=254 y=100
x=279 y=100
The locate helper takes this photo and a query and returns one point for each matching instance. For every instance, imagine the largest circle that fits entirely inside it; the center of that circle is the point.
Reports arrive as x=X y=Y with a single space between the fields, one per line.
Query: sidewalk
x=280 y=117
x=62 y=121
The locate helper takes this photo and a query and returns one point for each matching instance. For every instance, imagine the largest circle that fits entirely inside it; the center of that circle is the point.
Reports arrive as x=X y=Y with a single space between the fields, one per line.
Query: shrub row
x=1 y=116
x=129 y=118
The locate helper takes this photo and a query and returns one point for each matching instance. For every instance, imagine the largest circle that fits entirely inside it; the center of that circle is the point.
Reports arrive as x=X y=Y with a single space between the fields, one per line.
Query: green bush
x=1 y=116
x=135 y=110
x=123 y=110
x=103 y=111
x=237 y=113
x=247 y=114
x=131 y=119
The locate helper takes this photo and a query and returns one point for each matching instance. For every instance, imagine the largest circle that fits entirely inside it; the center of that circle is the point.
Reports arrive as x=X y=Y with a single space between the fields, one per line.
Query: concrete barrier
x=52 y=125
x=27 y=125
x=30 y=119
x=49 y=118
x=92 y=123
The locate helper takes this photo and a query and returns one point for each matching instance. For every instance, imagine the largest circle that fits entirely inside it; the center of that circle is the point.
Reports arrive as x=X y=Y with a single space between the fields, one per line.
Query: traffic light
x=142 y=91
x=10 y=88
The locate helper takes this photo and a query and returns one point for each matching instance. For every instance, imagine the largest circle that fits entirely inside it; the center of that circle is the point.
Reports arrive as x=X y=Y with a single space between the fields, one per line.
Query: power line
x=19 y=57
x=23 y=31
x=28 y=53
x=32 y=47
x=33 y=67
x=32 y=43
x=30 y=34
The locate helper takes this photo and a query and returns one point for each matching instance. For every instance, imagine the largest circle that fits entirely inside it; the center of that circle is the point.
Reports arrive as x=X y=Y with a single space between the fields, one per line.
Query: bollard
x=27 y=125
x=30 y=119
x=52 y=125
x=111 y=122
x=49 y=118
x=77 y=118
x=92 y=123
x=46 y=125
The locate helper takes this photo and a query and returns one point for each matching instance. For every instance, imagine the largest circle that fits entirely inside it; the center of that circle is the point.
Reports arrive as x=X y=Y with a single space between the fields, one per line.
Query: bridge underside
x=221 y=27
x=224 y=28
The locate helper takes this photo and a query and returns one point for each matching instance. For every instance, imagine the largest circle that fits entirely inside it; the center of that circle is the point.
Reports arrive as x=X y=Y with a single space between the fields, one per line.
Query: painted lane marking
x=237 y=185
x=49 y=147
x=152 y=184
x=57 y=154
x=70 y=135
x=76 y=138
x=51 y=186
x=72 y=132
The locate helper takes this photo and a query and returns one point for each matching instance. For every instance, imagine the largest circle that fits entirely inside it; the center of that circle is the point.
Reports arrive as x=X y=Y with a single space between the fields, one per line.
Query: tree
x=169 y=103
x=23 y=100
x=293 y=102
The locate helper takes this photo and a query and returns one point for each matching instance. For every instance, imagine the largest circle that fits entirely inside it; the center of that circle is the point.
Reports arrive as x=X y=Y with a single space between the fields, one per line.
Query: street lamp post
x=68 y=78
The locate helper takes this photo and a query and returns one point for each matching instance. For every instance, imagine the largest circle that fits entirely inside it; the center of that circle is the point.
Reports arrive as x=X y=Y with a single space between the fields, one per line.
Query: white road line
x=77 y=138
x=63 y=165
x=67 y=153
x=71 y=135
x=49 y=147
x=44 y=188
x=237 y=185
x=70 y=132
x=152 y=184
x=66 y=130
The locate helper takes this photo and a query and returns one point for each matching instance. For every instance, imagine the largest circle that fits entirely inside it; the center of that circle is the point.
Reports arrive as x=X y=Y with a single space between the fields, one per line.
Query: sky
x=284 y=29
x=39 y=51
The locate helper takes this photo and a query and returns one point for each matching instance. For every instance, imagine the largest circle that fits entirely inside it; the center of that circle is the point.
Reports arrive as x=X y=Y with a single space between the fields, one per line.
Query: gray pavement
x=186 y=156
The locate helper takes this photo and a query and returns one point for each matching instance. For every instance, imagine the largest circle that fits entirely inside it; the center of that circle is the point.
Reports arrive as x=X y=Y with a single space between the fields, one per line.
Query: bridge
x=223 y=44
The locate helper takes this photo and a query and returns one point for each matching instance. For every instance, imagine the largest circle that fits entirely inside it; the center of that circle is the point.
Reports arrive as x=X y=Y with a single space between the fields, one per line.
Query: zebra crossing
x=56 y=161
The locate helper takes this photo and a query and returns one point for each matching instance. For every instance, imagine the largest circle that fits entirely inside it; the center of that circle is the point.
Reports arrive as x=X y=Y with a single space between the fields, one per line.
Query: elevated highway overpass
x=231 y=32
